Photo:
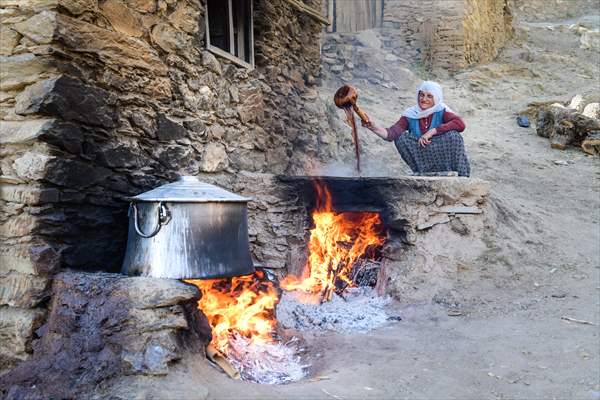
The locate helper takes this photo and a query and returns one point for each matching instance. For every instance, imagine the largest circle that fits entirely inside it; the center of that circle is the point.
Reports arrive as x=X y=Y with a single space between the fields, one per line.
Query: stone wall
x=448 y=34
x=101 y=100
x=25 y=261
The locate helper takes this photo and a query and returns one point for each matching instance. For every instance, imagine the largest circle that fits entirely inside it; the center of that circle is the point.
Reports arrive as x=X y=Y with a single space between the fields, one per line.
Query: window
x=229 y=33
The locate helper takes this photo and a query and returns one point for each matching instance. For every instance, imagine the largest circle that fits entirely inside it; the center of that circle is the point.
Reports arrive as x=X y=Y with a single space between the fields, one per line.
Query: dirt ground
x=542 y=264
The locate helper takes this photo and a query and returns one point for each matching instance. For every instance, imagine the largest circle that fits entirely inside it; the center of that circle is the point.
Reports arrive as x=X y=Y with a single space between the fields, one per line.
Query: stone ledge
x=22 y=290
x=69 y=99
x=21 y=70
x=17 y=326
x=15 y=132
x=103 y=325
x=145 y=293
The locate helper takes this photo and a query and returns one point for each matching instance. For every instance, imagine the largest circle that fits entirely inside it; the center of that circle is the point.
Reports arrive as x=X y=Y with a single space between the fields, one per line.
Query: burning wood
x=337 y=242
x=243 y=305
x=215 y=356
x=241 y=313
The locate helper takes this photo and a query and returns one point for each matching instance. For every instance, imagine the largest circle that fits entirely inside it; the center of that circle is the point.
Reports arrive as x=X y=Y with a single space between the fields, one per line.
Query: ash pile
x=268 y=363
x=357 y=309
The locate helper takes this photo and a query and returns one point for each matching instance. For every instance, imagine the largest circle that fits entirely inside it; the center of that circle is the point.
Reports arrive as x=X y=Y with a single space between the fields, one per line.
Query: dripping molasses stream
x=345 y=97
x=352 y=122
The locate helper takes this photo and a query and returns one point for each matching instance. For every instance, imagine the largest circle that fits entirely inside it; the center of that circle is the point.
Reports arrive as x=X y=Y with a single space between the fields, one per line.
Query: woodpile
x=571 y=125
x=591 y=144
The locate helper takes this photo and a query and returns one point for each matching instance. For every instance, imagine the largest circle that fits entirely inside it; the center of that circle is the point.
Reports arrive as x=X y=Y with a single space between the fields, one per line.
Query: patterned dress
x=446 y=152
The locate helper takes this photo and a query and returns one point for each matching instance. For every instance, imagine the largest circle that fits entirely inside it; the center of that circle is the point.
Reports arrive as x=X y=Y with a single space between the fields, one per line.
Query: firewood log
x=564 y=126
x=591 y=144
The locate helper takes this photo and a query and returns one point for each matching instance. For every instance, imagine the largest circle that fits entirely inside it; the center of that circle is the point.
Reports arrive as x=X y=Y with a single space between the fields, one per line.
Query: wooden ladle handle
x=361 y=114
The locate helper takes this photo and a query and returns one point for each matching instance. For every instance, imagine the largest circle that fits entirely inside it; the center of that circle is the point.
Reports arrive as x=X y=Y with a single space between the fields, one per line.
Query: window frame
x=230 y=55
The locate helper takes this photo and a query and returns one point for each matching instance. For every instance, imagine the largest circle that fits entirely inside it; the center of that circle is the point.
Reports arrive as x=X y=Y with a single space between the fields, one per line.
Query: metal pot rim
x=189 y=189
x=185 y=200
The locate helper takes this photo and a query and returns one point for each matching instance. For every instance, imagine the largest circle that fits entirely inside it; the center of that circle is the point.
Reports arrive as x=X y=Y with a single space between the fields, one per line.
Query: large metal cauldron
x=188 y=229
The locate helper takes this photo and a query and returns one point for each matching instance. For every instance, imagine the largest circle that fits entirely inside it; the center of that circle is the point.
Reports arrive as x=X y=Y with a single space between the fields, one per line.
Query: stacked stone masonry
x=103 y=325
x=101 y=100
x=449 y=34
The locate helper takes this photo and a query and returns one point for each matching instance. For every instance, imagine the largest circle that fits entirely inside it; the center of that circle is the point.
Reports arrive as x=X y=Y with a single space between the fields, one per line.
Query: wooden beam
x=311 y=12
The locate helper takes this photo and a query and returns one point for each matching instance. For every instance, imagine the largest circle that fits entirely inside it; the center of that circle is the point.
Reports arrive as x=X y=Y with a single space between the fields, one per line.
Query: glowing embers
x=241 y=314
x=337 y=243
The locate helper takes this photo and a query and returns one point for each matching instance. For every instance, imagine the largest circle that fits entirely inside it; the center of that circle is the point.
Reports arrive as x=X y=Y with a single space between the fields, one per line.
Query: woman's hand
x=425 y=139
x=369 y=124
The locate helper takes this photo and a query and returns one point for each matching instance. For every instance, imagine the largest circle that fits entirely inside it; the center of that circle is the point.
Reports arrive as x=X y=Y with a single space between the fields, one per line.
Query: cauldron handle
x=163 y=216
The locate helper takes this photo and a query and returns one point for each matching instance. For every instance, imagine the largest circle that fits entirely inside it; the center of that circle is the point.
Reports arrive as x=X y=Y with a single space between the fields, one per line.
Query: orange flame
x=242 y=305
x=336 y=243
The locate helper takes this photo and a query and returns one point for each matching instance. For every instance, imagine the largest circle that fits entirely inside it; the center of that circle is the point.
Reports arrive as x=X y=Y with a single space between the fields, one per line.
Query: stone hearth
x=435 y=225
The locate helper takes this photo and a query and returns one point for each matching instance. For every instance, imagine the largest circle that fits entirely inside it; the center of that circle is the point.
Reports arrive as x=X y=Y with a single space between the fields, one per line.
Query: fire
x=241 y=310
x=240 y=306
x=337 y=241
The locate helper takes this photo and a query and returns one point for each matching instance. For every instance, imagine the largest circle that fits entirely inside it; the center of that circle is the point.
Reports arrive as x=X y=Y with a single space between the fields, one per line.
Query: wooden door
x=354 y=15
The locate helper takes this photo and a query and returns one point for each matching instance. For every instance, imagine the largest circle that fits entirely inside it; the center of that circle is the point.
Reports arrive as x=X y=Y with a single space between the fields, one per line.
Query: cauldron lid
x=189 y=189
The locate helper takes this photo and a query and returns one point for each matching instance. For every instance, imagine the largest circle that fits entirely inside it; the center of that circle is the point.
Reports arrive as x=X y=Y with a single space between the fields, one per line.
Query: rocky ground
x=501 y=332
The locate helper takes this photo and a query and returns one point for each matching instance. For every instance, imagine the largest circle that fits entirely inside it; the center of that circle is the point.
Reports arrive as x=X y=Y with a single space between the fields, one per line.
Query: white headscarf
x=435 y=89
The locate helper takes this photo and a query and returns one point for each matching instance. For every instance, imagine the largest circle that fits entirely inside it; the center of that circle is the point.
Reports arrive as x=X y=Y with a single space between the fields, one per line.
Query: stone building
x=101 y=100
x=105 y=99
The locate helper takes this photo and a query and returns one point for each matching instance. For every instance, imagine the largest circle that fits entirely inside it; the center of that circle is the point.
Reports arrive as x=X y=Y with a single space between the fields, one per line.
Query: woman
x=427 y=135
